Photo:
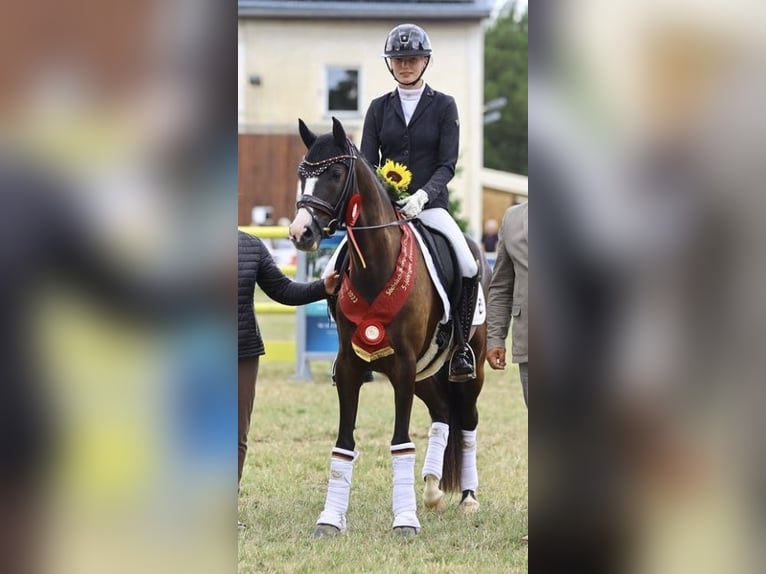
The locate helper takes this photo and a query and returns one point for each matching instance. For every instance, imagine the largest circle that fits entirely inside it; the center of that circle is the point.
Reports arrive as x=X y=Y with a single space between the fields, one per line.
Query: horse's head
x=327 y=181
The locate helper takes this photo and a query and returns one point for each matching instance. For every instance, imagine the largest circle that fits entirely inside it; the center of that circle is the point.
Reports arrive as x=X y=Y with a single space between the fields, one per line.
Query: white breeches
x=441 y=220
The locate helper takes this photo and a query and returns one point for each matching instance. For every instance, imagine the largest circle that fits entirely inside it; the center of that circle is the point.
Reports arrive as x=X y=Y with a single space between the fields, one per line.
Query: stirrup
x=462 y=377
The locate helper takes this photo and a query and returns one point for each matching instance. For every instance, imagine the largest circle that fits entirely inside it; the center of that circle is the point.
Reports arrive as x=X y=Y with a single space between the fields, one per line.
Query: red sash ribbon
x=370 y=340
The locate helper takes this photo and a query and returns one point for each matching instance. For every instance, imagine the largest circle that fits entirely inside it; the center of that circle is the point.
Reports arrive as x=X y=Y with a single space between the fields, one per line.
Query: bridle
x=313 y=204
x=337 y=212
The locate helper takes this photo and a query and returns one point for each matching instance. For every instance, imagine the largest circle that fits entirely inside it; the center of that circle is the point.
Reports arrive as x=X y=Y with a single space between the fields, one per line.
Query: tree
x=505 y=75
x=455 y=206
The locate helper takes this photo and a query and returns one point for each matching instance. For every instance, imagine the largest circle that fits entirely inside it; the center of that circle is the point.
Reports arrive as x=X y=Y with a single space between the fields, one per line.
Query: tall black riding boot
x=462 y=366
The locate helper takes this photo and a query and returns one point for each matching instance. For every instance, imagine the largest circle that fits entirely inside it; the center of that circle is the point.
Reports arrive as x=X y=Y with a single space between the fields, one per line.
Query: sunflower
x=395 y=177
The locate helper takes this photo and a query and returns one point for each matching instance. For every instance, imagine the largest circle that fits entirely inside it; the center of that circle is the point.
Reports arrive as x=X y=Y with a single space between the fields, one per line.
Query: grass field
x=283 y=488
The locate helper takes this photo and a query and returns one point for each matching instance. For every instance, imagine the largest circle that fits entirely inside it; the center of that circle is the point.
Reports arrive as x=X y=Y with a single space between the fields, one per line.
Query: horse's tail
x=453 y=456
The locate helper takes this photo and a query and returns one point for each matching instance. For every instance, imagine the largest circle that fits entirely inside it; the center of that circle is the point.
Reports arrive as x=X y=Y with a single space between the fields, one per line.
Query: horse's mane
x=372 y=174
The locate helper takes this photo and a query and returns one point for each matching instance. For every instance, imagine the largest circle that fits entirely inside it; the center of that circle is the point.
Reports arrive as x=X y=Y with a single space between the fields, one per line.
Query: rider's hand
x=413 y=205
x=496 y=358
x=330 y=282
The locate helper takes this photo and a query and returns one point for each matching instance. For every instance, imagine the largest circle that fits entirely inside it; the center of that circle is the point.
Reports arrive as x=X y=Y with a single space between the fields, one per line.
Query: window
x=342 y=90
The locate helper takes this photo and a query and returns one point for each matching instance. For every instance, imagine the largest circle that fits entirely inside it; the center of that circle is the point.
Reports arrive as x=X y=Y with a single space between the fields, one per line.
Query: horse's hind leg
x=433 y=496
x=332 y=520
x=438 y=434
x=469 y=420
x=469 y=475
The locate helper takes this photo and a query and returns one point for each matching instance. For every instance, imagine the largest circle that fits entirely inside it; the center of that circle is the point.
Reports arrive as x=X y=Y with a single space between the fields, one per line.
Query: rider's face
x=407 y=70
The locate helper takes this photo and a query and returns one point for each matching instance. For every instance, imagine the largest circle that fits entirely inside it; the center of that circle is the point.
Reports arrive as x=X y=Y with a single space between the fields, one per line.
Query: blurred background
x=118 y=170
x=117 y=158
x=645 y=442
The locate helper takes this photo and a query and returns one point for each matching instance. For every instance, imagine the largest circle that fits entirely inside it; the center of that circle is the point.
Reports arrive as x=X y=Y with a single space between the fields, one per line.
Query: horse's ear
x=307 y=135
x=338 y=133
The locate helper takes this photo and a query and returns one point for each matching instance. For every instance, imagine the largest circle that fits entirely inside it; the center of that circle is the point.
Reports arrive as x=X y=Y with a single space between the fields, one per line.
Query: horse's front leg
x=406 y=521
x=332 y=520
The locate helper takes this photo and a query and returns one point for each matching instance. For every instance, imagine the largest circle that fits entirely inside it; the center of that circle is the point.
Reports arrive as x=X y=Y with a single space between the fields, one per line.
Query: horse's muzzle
x=308 y=240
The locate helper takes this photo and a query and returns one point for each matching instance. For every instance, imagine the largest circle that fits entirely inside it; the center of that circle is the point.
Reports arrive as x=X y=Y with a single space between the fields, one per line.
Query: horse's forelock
x=324 y=148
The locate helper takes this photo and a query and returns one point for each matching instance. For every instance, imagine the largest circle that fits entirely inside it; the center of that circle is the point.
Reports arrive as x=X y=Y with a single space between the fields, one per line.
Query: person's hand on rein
x=496 y=358
x=413 y=205
x=330 y=283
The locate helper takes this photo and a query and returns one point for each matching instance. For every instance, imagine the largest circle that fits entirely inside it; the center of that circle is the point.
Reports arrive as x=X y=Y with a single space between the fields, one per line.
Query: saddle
x=444 y=257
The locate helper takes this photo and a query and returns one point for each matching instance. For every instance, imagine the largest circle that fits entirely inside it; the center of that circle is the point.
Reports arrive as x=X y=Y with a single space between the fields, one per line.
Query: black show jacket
x=428 y=146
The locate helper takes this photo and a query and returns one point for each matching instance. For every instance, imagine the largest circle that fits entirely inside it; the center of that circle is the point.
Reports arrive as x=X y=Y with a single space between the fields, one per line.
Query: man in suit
x=508 y=295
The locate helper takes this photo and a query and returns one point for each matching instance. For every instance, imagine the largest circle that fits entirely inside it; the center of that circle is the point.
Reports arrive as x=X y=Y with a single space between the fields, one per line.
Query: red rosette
x=353 y=209
x=371 y=332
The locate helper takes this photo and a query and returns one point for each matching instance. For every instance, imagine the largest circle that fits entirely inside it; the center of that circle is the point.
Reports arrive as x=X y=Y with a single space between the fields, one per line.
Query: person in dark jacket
x=255 y=265
x=419 y=127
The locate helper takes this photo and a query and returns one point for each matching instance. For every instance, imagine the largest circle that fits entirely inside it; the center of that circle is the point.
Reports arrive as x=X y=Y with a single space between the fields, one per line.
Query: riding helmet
x=407 y=40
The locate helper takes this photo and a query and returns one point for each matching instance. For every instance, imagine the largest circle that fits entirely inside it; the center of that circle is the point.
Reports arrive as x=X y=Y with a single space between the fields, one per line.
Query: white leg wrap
x=437 y=442
x=469 y=477
x=403 y=467
x=338 y=488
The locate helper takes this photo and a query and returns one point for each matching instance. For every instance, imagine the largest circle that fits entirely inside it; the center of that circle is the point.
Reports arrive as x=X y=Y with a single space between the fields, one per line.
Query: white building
x=317 y=59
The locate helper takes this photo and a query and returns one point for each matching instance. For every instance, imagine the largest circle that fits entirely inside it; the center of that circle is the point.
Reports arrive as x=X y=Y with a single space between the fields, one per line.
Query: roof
x=366 y=9
x=505 y=181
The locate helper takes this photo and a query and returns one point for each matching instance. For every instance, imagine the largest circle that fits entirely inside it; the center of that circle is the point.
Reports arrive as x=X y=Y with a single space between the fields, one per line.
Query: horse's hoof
x=433 y=496
x=326 y=531
x=437 y=504
x=469 y=504
x=405 y=531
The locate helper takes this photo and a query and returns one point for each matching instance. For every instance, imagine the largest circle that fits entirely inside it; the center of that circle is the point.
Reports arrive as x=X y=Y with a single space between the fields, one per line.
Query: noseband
x=314 y=204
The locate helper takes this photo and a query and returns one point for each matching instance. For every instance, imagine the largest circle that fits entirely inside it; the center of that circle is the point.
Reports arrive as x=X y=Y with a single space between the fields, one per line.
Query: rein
x=382 y=225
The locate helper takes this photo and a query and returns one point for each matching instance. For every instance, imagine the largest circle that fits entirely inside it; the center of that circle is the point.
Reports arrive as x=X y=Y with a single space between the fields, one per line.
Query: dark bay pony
x=340 y=189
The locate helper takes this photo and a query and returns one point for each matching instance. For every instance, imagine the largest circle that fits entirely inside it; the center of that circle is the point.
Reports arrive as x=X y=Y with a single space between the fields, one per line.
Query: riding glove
x=413 y=205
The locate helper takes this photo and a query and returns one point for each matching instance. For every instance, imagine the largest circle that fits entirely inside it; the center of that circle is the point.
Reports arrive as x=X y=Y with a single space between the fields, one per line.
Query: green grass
x=283 y=488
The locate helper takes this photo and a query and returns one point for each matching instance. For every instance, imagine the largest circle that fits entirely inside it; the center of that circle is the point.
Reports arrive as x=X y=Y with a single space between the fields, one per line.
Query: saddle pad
x=480 y=311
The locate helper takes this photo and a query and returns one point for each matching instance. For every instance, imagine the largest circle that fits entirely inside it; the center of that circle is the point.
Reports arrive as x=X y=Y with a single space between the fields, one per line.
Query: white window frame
x=326 y=92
